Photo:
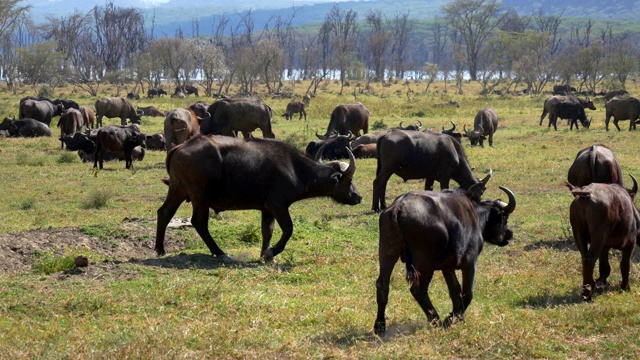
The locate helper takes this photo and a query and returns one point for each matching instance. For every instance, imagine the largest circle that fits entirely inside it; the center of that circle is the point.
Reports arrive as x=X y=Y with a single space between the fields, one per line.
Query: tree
x=475 y=21
x=211 y=62
x=10 y=13
x=66 y=32
x=40 y=63
x=622 y=59
x=591 y=64
x=119 y=32
x=402 y=30
x=529 y=55
x=269 y=57
x=176 y=57
x=344 y=31
x=377 y=43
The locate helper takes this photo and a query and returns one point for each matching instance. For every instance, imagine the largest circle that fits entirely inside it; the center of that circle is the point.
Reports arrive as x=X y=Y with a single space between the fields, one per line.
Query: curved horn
x=465 y=130
x=318 y=157
x=350 y=135
x=486 y=178
x=420 y=124
x=512 y=200
x=481 y=131
x=634 y=189
x=400 y=125
x=348 y=174
x=321 y=137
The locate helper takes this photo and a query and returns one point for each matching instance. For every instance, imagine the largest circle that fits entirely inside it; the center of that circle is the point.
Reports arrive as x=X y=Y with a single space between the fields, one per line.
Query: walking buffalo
x=419 y=155
x=614 y=93
x=603 y=217
x=41 y=110
x=595 y=164
x=444 y=231
x=225 y=173
x=485 y=124
x=186 y=90
x=622 y=109
x=112 y=138
x=116 y=107
x=25 y=128
x=348 y=118
x=295 y=107
x=230 y=116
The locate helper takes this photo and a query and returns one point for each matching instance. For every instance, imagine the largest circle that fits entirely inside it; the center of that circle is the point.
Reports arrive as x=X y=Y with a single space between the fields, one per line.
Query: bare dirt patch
x=18 y=251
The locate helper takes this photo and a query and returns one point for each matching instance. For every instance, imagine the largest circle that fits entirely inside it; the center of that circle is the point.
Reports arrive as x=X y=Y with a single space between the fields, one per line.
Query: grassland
x=318 y=299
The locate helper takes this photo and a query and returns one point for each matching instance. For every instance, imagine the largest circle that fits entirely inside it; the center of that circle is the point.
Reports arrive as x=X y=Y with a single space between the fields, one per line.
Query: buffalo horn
x=512 y=200
x=352 y=165
x=318 y=157
x=321 y=137
x=400 y=125
x=486 y=178
x=481 y=131
x=634 y=189
x=450 y=130
x=420 y=126
x=465 y=129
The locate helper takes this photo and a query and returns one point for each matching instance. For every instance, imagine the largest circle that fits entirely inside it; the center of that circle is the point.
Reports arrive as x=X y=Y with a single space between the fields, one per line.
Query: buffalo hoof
x=586 y=293
x=160 y=252
x=452 y=319
x=268 y=255
x=380 y=327
x=601 y=285
x=226 y=259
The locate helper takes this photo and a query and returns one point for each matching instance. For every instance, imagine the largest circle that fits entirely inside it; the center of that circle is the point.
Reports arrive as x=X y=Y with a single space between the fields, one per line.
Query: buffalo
x=182 y=124
x=295 y=107
x=116 y=107
x=112 y=138
x=563 y=89
x=225 y=173
x=444 y=231
x=622 y=109
x=150 y=111
x=133 y=96
x=448 y=103
x=88 y=115
x=25 y=128
x=548 y=103
x=70 y=122
x=568 y=110
x=155 y=92
x=614 y=93
x=365 y=151
x=485 y=124
x=595 y=164
x=334 y=147
x=82 y=141
x=414 y=127
x=186 y=90
x=306 y=99
x=156 y=142
x=419 y=155
x=137 y=154
x=603 y=217
x=230 y=116
x=348 y=118
x=41 y=110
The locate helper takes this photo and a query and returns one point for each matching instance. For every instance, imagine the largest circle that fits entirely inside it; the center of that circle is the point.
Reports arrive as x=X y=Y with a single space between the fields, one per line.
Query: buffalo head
x=344 y=191
x=476 y=136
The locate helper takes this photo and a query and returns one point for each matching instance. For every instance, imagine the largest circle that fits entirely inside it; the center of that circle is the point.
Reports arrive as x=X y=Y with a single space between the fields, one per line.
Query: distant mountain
x=170 y=15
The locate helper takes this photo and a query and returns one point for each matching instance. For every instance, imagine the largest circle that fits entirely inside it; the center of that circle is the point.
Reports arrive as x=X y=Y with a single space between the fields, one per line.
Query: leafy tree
x=40 y=63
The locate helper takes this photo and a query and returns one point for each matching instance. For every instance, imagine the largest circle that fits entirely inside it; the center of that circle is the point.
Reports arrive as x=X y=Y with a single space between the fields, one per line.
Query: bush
x=45 y=91
x=67 y=158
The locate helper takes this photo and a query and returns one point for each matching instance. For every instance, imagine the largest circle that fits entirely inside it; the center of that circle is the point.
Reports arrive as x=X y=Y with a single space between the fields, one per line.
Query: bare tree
x=529 y=55
x=66 y=31
x=270 y=58
x=549 y=24
x=475 y=21
x=402 y=30
x=10 y=13
x=210 y=59
x=591 y=64
x=377 y=43
x=344 y=31
x=119 y=32
x=176 y=56
x=622 y=58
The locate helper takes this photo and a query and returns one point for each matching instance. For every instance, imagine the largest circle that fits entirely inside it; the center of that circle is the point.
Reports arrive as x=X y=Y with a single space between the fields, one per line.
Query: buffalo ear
x=335 y=178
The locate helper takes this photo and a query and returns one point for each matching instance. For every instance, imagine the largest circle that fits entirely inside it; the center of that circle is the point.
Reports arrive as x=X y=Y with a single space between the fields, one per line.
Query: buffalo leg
x=615 y=122
x=455 y=293
x=605 y=269
x=428 y=184
x=544 y=112
x=286 y=225
x=625 y=266
x=387 y=261
x=268 y=222
x=200 y=221
x=380 y=191
x=171 y=204
x=491 y=140
x=420 y=292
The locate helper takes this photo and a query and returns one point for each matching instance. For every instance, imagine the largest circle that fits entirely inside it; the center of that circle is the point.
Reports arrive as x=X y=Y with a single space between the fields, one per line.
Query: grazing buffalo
x=137 y=154
x=568 y=110
x=230 y=116
x=419 y=155
x=443 y=231
x=67 y=103
x=112 y=138
x=485 y=124
x=150 y=111
x=186 y=90
x=622 y=109
x=365 y=151
x=70 y=122
x=334 y=147
x=41 y=110
x=548 y=103
x=182 y=124
x=81 y=141
x=603 y=217
x=25 y=128
x=155 y=92
x=156 y=142
x=414 y=127
x=116 y=107
x=306 y=99
x=225 y=173
x=595 y=164
x=448 y=103
x=614 y=93
x=88 y=115
x=563 y=89
x=133 y=96
x=295 y=107
x=348 y=118
x=369 y=138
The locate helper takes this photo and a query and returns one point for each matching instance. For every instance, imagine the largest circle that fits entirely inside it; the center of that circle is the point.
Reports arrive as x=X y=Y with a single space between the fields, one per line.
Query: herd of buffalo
x=428 y=230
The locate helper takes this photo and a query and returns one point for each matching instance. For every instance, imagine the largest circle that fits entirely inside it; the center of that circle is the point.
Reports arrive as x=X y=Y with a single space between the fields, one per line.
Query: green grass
x=318 y=299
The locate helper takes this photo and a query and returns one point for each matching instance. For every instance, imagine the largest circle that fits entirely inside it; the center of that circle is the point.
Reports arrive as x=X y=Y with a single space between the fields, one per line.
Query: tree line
x=478 y=40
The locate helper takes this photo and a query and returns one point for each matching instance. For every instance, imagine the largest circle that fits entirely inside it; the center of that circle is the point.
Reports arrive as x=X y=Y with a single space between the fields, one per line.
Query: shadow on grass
x=356 y=336
x=184 y=261
x=550 y=301
x=558 y=244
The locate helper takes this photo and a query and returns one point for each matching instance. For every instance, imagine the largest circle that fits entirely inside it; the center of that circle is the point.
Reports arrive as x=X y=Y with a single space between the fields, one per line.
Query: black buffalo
x=70 y=122
x=550 y=101
x=230 y=116
x=419 y=155
x=348 y=118
x=622 y=109
x=604 y=217
x=187 y=90
x=563 y=89
x=112 y=138
x=155 y=92
x=116 y=107
x=225 y=173
x=295 y=107
x=444 y=231
x=25 y=128
x=568 y=110
x=595 y=164
x=614 y=93
x=335 y=147
x=41 y=110
x=485 y=124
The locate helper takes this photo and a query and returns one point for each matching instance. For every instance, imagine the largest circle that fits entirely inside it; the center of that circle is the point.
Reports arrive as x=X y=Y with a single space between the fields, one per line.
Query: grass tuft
x=23 y=158
x=28 y=203
x=67 y=158
x=48 y=262
x=97 y=199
